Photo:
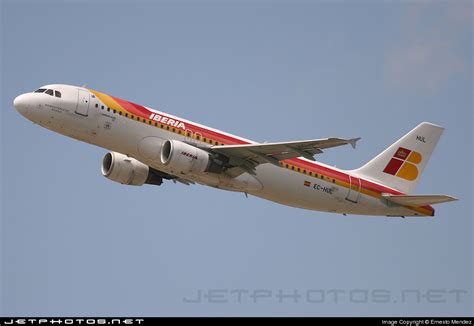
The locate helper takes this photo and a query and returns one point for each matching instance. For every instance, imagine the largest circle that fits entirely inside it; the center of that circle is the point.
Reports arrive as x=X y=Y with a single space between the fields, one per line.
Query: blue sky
x=75 y=243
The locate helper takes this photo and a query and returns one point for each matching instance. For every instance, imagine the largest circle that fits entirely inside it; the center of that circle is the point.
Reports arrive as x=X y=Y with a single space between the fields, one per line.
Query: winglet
x=353 y=141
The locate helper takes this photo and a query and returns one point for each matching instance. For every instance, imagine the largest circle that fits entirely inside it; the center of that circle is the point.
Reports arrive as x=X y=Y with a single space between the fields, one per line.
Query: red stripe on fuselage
x=143 y=112
x=133 y=108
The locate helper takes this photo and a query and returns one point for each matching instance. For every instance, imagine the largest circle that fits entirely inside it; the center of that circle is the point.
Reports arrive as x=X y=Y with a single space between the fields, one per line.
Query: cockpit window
x=41 y=90
x=49 y=92
x=57 y=94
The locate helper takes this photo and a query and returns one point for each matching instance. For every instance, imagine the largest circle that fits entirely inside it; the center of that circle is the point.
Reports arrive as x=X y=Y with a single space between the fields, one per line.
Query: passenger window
x=49 y=92
x=96 y=105
x=41 y=90
x=57 y=94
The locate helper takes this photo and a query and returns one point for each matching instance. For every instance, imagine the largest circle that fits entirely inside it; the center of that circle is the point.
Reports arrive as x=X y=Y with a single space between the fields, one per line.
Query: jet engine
x=128 y=171
x=184 y=158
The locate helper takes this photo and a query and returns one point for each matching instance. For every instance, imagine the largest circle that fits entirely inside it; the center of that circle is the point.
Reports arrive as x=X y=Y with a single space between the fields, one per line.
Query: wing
x=250 y=155
x=418 y=200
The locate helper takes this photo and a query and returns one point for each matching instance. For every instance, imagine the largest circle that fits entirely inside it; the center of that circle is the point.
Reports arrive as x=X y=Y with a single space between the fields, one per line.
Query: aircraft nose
x=21 y=103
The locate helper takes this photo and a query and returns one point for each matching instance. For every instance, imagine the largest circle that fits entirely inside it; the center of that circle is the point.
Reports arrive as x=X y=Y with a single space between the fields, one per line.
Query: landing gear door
x=83 y=101
x=353 y=194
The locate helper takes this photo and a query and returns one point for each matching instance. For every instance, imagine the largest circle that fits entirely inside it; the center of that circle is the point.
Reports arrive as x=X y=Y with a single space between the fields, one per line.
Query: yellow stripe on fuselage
x=108 y=100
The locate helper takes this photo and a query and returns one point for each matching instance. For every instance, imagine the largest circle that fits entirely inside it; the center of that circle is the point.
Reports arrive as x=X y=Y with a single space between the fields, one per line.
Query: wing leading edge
x=275 y=152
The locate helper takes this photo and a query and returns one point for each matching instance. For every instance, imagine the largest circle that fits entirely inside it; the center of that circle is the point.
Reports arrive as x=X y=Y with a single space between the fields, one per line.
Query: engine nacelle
x=128 y=171
x=183 y=158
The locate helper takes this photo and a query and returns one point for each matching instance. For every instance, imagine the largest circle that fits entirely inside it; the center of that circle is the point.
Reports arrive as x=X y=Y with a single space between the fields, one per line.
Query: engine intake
x=127 y=170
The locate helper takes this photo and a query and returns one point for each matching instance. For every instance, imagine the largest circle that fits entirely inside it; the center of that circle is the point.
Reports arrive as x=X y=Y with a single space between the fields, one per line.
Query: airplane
x=148 y=146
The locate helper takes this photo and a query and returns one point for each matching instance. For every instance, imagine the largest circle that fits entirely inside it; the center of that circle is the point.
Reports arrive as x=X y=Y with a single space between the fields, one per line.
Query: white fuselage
x=89 y=116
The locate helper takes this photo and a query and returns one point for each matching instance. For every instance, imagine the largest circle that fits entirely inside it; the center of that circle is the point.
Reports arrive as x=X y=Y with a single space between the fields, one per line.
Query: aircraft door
x=353 y=194
x=83 y=101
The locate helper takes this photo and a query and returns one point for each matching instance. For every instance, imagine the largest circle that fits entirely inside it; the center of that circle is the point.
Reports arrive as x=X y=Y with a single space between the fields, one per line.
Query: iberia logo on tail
x=403 y=164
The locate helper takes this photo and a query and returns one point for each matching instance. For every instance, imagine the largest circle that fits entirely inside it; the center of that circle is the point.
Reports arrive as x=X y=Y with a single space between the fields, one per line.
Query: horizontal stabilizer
x=418 y=200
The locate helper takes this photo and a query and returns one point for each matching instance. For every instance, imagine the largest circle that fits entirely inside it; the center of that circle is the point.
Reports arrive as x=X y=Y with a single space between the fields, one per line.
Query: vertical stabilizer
x=401 y=165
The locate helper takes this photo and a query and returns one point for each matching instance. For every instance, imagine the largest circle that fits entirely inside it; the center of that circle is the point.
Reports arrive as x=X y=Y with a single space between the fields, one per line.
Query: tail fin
x=401 y=165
